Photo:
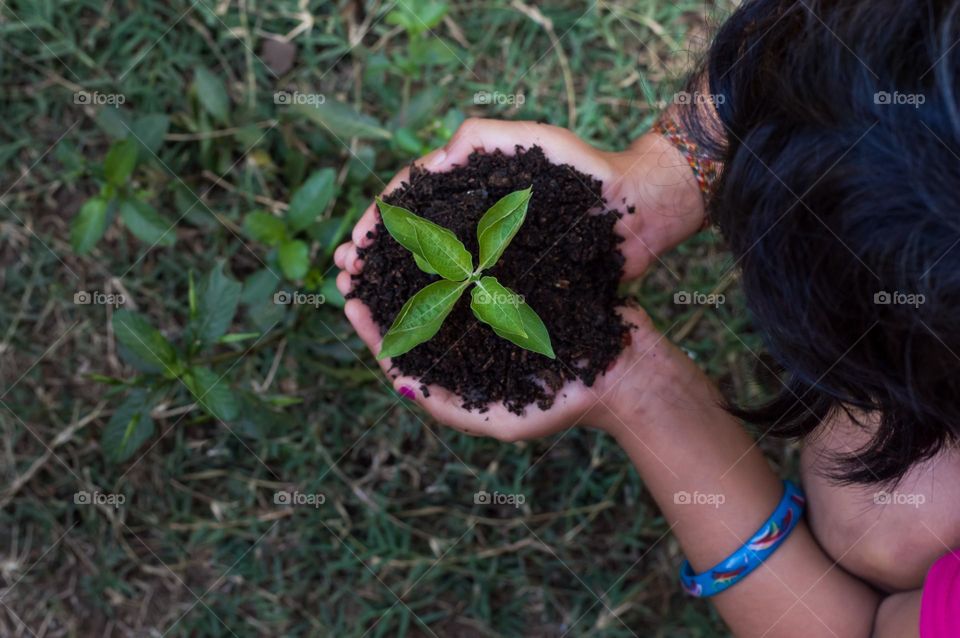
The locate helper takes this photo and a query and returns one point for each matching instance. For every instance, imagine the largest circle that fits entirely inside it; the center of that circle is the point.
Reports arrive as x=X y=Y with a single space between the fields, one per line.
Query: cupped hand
x=650 y=177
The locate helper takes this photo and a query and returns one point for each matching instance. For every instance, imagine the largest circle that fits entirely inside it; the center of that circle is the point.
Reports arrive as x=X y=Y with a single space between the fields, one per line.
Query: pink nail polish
x=407 y=392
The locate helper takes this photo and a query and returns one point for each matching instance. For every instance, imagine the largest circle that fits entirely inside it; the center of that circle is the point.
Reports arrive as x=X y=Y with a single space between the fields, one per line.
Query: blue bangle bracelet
x=756 y=550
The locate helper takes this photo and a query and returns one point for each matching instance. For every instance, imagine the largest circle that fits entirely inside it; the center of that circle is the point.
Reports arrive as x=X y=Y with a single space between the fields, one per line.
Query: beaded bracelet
x=753 y=553
x=705 y=170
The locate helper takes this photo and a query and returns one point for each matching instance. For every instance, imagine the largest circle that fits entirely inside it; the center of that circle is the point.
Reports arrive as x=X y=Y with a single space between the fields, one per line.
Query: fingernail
x=438 y=157
x=407 y=392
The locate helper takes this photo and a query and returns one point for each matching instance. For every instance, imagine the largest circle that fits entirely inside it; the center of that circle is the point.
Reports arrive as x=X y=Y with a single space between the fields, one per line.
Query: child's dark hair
x=840 y=198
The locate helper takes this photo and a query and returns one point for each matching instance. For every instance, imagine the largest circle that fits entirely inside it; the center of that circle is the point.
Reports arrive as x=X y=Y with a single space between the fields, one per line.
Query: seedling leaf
x=436 y=249
x=421 y=317
x=537 y=338
x=500 y=224
x=444 y=253
x=496 y=305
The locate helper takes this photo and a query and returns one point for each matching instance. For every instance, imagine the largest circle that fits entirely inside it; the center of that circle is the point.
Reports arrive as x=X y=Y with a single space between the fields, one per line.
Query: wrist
x=657 y=384
x=657 y=178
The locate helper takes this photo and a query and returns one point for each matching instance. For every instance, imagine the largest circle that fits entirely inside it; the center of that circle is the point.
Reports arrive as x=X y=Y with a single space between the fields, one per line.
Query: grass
x=398 y=548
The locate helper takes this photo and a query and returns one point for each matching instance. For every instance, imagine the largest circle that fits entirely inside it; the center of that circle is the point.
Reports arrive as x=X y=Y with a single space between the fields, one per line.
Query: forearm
x=681 y=441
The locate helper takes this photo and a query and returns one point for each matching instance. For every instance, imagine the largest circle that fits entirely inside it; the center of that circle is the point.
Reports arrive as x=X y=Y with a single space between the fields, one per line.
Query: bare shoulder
x=887 y=536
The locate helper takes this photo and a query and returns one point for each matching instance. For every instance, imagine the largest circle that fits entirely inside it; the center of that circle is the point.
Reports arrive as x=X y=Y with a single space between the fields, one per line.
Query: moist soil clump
x=564 y=261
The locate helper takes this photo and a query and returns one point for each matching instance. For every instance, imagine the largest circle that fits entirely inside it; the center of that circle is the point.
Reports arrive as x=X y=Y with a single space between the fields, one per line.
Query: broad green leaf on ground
x=311 y=199
x=421 y=317
x=343 y=121
x=146 y=223
x=211 y=93
x=417 y=16
x=435 y=249
x=331 y=294
x=120 y=161
x=500 y=224
x=212 y=392
x=434 y=51
x=265 y=228
x=259 y=287
x=129 y=428
x=88 y=225
x=217 y=299
x=496 y=305
x=144 y=341
x=537 y=338
x=294 y=257
x=149 y=132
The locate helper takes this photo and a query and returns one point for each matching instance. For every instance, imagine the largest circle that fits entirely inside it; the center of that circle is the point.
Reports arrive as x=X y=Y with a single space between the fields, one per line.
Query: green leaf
x=537 y=339
x=144 y=341
x=88 y=226
x=259 y=287
x=211 y=93
x=120 y=161
x=443 y=252
x=421 y=317
x=149 y=132
x=212 y=392
x=217 y=299
x=294 y=259
x=435 y=249
x=129 y=428
x=417 y=16
x=311 y=199
x=500 y=224
x=265 y=228
x=342 y=121
x=497 y=305
x=146 y=223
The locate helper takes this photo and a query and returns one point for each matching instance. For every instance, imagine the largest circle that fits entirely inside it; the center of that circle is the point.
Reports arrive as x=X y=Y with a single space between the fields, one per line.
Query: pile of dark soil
x=564 y=261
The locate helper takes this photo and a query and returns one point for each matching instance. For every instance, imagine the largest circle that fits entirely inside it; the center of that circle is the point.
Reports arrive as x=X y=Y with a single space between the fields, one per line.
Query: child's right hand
x=651 y=176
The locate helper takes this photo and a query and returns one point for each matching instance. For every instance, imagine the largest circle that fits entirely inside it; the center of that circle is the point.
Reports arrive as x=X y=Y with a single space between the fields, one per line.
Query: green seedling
x=437 y=251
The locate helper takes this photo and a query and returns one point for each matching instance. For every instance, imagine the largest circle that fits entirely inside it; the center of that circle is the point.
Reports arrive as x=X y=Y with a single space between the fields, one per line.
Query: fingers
x=559 y=145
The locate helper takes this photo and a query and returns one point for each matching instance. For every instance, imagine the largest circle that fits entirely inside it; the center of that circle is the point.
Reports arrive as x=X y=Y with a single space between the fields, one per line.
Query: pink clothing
x=940 y=602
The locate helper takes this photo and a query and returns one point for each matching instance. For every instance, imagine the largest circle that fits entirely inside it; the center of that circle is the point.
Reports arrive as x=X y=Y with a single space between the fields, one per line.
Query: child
x=824 y=142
